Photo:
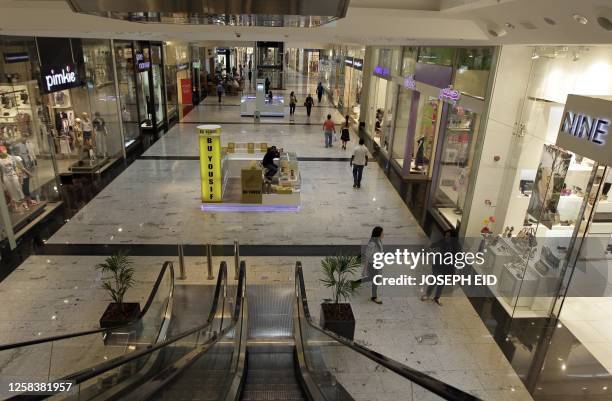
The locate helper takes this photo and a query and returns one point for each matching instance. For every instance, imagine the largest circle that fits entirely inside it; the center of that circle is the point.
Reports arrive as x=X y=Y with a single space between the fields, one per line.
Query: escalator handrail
x=89 y=373
x=167 y=265
x=432 y=384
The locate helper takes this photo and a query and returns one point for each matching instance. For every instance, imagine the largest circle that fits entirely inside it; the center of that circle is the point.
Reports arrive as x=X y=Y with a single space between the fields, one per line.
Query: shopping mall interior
x=196 y=192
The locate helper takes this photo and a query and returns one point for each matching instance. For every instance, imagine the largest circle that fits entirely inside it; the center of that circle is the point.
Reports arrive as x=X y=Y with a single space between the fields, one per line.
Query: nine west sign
x=586 y=128
x=55 y=79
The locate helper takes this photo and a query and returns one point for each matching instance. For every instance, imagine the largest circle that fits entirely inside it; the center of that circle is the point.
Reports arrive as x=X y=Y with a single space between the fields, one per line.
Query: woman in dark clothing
x=309 y=103
x=319 y=91
x=345 y=136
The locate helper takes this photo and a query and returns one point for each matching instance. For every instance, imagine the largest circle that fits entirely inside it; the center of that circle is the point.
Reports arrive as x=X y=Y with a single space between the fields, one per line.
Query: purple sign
x=380 y=70
x=449 y=95
x=410 y=82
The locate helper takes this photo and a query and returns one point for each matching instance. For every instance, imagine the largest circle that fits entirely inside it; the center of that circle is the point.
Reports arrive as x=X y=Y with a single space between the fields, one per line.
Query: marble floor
x=158 y=202
x=305 y=140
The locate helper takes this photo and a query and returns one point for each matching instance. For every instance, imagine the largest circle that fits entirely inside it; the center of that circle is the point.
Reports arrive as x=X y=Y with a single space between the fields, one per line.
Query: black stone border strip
x=302 y=159
x=171 y=250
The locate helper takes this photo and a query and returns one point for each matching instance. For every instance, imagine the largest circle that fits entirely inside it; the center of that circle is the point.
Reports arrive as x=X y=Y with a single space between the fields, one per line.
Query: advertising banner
x=210 y=162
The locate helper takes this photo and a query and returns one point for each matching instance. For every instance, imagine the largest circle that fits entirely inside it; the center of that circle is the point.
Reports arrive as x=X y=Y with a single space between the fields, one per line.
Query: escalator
x=229 y=359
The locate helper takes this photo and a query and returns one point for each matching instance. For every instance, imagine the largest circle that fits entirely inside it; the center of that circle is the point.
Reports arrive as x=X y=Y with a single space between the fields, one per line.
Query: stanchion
x=181 y=255
x=209 y=262
x=236 y=259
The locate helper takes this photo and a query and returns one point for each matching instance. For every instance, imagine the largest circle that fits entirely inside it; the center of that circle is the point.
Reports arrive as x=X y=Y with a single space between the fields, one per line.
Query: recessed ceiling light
x=605 y=23
x=550 y=21
x=509 y=25
x=496 y=32
x=581 y=19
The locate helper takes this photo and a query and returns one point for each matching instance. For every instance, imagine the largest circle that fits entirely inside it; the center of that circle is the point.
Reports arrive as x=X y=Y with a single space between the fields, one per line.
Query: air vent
x=605 y=23
x=528 y=25
x=550 y=21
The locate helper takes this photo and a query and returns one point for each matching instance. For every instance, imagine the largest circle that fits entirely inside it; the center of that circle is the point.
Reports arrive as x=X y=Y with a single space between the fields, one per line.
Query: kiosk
x=266 y=107
x=232 y=177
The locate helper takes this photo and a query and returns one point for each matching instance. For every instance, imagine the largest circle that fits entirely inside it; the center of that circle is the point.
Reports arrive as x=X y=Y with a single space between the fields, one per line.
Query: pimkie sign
x=54 y=79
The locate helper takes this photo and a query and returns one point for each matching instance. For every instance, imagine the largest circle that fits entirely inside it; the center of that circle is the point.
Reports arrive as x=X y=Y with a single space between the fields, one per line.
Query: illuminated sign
x=142 y=64
x=356 y=63
x=585 y=127
x=56 y=79
x=449 y=95
x=210 y=162
x=383 y=71
x=410 y=82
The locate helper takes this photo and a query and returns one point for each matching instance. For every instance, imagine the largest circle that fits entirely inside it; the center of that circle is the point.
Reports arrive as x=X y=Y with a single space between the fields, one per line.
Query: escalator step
x=269 y=395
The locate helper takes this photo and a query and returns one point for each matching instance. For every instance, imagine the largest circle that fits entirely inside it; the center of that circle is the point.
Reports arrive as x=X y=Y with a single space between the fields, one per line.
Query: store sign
x=410 y=82
x=586 y=127
x=355 y=63
x=449 y=95
x=54 y=79
x=16 y=57
x=142 y=64
x=210 y=162
x=382 y=71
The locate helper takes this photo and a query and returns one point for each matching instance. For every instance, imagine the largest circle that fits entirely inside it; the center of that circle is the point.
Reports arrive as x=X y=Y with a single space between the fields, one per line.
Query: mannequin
x=419 y=159
x=77 y=134
x=10 y=167
x=86 y=128
x=100 y=134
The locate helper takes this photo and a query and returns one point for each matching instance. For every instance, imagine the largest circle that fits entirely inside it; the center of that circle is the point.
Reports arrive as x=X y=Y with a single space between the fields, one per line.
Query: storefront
x=269 y=63
x=59 y=117
x=540 y=199
x=423 y=119
x=179 y=80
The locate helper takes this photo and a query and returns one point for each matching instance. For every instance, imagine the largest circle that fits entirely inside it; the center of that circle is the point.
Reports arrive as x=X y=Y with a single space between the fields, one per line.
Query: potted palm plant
x=119 y=278
x=338 y=274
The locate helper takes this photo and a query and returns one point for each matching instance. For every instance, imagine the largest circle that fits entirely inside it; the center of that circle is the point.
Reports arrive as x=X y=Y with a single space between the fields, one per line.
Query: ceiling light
x=605 y=23
x=535 y=55
x=581 y=19
x=550 y=21
x=509 y=25
x=496 y=32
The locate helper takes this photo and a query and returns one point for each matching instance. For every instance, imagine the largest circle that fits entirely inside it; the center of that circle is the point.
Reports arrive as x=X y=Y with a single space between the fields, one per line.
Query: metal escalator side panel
x=212 y=351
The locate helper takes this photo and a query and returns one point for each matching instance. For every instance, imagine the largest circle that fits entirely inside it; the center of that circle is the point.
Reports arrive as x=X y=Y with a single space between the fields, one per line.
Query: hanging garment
x=65 y=146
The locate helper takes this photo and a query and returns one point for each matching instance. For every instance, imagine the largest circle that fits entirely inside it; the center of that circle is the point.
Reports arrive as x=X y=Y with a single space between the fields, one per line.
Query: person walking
x=374 y=246
x=345 y=134
x=292 y=103
x=319 y=91
x=359 y=160
x=267 y=85
x=329 y=129
x=219 y=90
x=308 y=104
x=440 y=269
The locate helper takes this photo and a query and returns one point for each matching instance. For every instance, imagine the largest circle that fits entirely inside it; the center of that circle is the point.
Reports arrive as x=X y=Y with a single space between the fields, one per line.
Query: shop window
x=424 y=141
x=455 y=164
x=103 y=102
x=127 y=91
x=472 y=70
x=436 y=55
x=402 y=119
x=409 y=59
x=26 y=157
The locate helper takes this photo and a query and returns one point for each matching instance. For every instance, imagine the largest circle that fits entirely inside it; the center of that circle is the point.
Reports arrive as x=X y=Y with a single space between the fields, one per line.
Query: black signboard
x=16 y=57
x=57 y=78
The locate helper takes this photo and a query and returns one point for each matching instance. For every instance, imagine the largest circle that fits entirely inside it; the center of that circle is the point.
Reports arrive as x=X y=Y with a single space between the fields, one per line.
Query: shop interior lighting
x=581 y=19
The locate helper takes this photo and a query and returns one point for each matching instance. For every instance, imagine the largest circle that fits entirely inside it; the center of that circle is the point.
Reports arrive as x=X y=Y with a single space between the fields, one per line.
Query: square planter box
x=339 y=319
x=114 y=315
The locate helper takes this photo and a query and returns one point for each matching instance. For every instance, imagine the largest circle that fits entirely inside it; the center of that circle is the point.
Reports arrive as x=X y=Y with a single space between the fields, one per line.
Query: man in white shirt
x=359 y=160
